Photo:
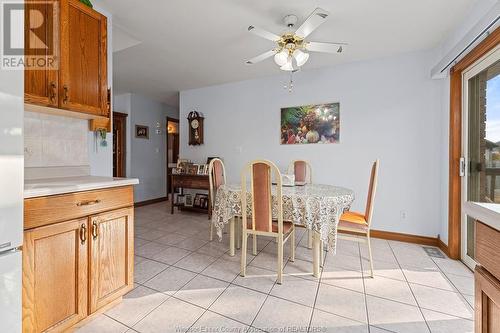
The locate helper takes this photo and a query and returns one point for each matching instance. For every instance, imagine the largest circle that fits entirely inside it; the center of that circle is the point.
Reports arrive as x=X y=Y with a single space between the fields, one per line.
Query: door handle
x=88 y=203
x=95 y=230
x=83 y=233
x=65 y=97
x=52 y=95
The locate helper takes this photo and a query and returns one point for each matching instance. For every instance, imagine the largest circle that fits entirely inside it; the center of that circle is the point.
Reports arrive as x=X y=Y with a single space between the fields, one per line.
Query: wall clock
x=195 y=121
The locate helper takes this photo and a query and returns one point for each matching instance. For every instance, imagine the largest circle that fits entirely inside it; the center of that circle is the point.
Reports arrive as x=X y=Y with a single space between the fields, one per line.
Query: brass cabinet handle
x=52 y=95
x=95 y=230
x=83 y=233
x=65 y=98
x=88 y=203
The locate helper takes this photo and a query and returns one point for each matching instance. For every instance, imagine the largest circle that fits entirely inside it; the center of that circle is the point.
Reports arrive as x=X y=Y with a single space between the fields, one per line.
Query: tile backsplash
x=51 y=141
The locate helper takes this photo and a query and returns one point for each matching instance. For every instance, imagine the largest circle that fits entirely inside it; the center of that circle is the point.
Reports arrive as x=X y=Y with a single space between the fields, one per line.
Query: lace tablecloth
x=314 y=206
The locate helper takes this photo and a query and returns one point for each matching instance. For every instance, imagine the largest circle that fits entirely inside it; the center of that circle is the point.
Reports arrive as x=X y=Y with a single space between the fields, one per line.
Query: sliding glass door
x=481 y=141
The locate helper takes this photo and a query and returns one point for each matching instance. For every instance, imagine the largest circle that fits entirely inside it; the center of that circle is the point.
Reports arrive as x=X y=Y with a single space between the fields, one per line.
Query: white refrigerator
x=11 y=198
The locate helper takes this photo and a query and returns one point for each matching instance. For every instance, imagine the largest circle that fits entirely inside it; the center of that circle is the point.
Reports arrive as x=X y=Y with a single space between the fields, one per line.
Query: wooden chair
x=303 y=173
x=261 y=222
x=216 y=178
x=359 y=223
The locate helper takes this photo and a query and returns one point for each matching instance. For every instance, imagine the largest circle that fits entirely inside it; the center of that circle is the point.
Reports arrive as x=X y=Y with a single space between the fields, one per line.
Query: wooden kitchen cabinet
x=41 y=85
x=55 y=260
x=76 y=266
x=111 y=256
x=83 y=71
x=79 y=83
x=487 y=279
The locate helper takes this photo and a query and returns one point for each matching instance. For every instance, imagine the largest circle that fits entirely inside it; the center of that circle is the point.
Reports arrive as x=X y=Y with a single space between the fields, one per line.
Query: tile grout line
x=411 y=290
x=447 y=278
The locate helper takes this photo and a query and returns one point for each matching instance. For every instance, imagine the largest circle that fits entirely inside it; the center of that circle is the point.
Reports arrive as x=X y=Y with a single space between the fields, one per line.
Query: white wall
x=389 y=109
x=146 y=159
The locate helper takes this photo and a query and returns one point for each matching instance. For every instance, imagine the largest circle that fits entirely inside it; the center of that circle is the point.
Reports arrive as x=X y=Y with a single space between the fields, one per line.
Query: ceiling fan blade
x=261 y=57
x=317 y=17
x=325 y=47
x=264 y=33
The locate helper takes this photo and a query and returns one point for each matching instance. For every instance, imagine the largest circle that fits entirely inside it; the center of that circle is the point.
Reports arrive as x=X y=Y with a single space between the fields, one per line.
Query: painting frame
x=142 y=132
x=310 y=124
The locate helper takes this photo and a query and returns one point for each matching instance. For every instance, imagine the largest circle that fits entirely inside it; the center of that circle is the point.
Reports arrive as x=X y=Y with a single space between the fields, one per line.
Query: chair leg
x=254 y=245
x=292 y=246
x=309 y=239
x=370 y=254
x=280 y=259
x=211 y=231
x=239 y=229
x=244 y=240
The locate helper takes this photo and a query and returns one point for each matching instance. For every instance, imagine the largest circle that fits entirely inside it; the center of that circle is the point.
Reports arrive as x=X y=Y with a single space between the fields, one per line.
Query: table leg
x=316 y=254
x=231 y=237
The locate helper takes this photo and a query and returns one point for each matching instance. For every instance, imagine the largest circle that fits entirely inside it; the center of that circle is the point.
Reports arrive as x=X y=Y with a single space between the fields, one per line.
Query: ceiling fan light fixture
x=300 y=57
x=288 y=66
x=281 y=58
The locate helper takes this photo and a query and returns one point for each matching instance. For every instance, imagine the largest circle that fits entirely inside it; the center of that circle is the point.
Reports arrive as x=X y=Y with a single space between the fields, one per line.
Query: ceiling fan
x=292 y=49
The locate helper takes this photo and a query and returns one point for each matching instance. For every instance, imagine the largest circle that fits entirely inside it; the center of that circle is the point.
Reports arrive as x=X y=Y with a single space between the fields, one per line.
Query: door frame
x=455 y=142
x=477 y=67
x=175 y=120
x=123 y=116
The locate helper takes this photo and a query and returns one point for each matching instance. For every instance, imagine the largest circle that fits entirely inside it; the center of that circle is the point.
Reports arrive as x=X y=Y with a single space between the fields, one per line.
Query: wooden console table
x=183 y=181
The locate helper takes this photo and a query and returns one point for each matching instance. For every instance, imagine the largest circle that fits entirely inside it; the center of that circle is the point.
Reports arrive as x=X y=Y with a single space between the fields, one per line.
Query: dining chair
x=303 y=173
x=261 y=221
x=216 y=178
x=359 y=223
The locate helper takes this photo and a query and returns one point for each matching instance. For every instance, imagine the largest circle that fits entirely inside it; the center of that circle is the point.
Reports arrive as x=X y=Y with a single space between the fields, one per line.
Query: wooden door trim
x=455 y=144
x=123 y=117
x=174 y=120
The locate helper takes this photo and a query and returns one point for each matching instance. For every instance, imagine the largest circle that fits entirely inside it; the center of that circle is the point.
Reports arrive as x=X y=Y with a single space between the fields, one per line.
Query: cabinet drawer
x=52 y=209
x=487 y=248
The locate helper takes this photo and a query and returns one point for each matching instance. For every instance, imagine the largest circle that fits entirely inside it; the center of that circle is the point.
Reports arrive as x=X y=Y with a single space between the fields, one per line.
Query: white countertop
x=488 y=213
x=51 y=186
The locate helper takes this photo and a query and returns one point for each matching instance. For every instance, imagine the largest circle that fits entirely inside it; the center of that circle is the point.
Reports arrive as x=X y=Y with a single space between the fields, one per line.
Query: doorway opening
x=172 y=148
x=119 y=144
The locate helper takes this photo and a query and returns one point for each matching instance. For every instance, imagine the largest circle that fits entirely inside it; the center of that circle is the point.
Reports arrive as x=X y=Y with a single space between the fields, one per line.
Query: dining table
x=317 y=207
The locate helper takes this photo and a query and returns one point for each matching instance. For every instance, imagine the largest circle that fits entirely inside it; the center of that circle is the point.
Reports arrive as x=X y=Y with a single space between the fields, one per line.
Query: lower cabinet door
x=55 y=260
x=487 y=302
x=111 y=256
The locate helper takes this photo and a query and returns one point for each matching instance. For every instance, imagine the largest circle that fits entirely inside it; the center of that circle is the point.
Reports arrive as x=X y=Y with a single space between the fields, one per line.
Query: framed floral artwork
x=310 y=124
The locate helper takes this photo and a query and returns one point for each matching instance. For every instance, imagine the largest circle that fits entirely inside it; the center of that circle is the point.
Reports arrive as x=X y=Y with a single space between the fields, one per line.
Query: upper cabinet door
x=83 y=67
x=41 y=44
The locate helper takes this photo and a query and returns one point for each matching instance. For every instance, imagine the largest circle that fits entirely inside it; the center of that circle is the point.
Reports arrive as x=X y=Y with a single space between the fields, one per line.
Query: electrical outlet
x=402 y=215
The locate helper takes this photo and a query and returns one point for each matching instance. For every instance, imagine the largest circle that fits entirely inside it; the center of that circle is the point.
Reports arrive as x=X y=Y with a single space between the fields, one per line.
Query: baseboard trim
x=150 y=202
x=443 y=247
x=396 y=236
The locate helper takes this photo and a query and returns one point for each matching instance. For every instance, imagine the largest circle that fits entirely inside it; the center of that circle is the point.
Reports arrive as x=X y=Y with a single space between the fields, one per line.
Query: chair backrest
x=372 y=189
x=302 y=171
x=216 y=177
x=261 y=176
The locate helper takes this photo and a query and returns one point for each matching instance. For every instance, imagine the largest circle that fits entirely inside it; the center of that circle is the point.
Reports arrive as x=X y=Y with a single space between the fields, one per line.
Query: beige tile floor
x=183 y=283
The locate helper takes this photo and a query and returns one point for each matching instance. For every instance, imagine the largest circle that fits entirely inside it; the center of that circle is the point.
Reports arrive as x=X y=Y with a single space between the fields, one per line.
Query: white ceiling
x=166 y=46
